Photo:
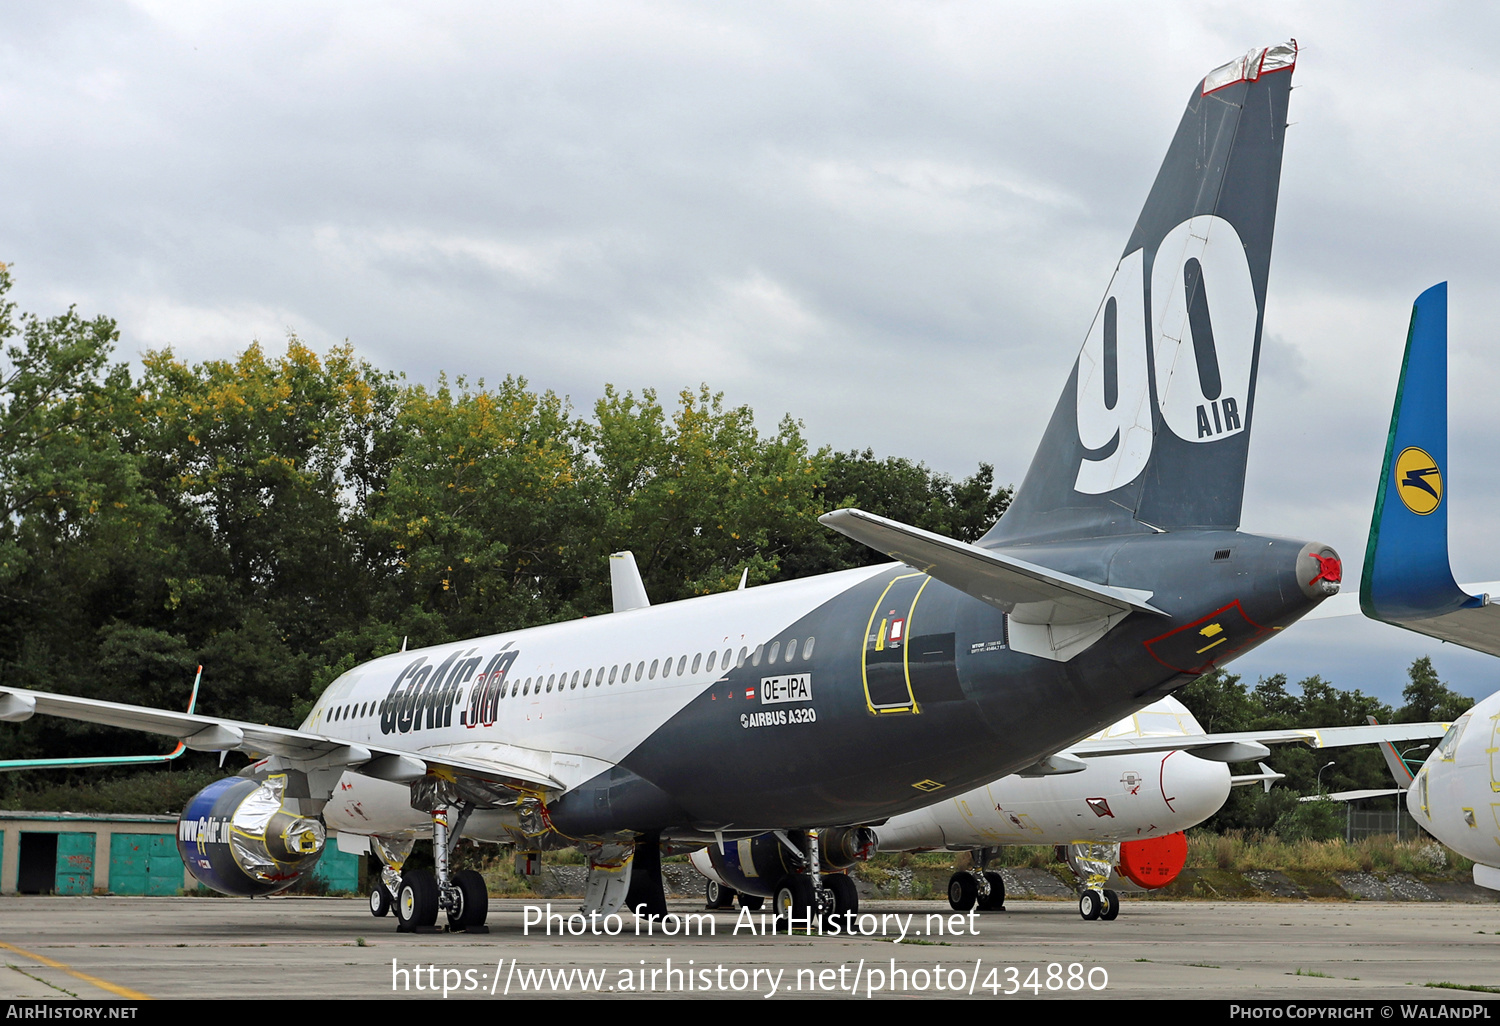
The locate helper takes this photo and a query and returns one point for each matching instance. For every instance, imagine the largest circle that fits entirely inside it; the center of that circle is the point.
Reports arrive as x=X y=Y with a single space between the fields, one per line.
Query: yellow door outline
x=910 y=704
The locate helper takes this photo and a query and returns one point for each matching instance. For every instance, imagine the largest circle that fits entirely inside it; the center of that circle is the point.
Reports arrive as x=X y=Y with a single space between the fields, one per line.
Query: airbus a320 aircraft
x=1408 y=582
x=1118 y=799
x=1117 y=575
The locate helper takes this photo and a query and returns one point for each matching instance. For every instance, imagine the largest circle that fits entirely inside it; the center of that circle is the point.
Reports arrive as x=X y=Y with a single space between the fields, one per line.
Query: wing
x=1217 y=746
x=1028 y=592
x=507 y=765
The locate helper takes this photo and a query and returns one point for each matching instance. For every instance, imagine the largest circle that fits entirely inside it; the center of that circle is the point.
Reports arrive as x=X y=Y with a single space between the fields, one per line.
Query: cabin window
x=682 y=666
x=654 y=663
x=775 y=651
x=755 y=656
x=744 y=653
x=640 y=668
x=587 y=676
x=791 y=650
x=807 y=649
x=612 y=671
x=712 y=656
x=574 y=683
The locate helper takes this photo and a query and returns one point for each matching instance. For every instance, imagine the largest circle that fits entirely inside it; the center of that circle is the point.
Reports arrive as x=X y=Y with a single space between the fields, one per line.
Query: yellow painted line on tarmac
x=113 y=988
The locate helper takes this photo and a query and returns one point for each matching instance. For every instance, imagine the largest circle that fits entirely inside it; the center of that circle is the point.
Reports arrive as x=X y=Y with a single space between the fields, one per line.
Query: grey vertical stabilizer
x=1153 y=427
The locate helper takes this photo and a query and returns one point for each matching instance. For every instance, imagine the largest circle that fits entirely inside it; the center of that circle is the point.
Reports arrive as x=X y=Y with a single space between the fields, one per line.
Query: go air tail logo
x=1419 y=482
x=1202 y=318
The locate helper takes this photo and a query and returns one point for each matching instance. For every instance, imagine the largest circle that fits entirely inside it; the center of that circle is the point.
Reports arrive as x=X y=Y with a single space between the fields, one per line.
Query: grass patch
x=1464 y=986
x=1311 y=972
x=1241 y=851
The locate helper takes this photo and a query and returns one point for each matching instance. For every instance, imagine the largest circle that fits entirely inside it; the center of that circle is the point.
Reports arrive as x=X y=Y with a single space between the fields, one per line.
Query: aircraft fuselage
x=848 y=698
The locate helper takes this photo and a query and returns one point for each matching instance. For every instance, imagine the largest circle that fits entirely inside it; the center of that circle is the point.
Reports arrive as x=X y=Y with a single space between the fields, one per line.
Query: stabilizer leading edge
x=1153 y=427
x=1407 y=578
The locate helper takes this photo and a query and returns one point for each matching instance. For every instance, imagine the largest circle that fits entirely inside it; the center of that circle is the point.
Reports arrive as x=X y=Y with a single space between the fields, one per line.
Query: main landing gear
x=797 y=897
x=980 y=888
x=418 y=895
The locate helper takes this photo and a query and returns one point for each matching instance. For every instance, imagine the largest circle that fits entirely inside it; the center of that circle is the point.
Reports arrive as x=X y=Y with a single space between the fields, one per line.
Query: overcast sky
x=893 y=221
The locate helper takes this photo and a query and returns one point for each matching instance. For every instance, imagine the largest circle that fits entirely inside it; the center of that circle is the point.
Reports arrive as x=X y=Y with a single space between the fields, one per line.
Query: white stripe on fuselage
x=576 y=729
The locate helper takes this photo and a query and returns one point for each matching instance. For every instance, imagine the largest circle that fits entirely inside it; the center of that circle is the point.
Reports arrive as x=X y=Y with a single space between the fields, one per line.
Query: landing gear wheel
x=963 y=892
x=1090 y=905
x=753 y=902
x=845 y=897
x=473 y=901
x=417 y=900
x=795 y=899
x=1111 y=906
x=380 y=901
x=718 y=896
x=995 y=900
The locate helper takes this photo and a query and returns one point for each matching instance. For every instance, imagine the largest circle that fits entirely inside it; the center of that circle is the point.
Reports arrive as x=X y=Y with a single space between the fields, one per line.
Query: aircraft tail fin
x=1407 y=579
x=627 y=589
x=1153 y=427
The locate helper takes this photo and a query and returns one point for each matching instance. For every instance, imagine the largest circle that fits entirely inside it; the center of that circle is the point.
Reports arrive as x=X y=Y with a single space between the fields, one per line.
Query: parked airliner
x=1118 y=574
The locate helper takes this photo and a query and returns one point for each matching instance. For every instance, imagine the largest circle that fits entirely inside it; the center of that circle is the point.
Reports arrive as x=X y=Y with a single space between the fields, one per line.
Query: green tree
x=1428 y=698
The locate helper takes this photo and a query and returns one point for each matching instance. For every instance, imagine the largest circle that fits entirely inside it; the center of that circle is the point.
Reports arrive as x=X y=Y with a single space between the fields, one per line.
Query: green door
x=144 y=864
x=75 y=863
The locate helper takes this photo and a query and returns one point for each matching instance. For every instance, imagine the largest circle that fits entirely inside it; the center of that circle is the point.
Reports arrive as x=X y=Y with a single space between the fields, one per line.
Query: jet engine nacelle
x=238 y=837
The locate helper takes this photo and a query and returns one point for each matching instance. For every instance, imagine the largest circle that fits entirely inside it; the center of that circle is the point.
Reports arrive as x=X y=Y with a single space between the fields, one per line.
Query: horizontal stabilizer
x=1265 y=778
x=1029 y=593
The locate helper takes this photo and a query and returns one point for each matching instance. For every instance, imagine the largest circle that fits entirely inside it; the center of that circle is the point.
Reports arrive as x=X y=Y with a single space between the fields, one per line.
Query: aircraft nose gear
x=1092 y=864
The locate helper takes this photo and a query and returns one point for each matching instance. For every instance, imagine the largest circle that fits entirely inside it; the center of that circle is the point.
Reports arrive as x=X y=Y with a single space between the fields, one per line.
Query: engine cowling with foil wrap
x=239 y=836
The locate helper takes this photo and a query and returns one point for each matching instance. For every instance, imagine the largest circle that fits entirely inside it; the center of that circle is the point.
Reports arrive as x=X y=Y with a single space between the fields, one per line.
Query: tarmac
x=117 y=948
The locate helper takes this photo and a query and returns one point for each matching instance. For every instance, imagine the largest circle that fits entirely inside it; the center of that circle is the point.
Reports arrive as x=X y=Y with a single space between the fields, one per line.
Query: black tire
x=380 y=901
x=795 y=898
x=963 y=892
x=845 y=896
x=1090 y=905
x=417 y=900
x=473 y=900
x=753 y=902
x=717 y=895
x=1111 y=907
x=995 y=900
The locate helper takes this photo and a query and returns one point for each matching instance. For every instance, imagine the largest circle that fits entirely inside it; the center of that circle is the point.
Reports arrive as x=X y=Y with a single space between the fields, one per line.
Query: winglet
x=1400 y=771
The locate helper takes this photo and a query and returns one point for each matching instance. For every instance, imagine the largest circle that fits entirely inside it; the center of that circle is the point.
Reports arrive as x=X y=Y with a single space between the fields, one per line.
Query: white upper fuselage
x=555 y=718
